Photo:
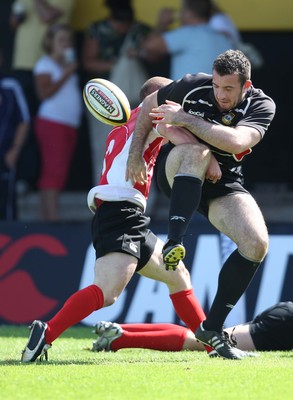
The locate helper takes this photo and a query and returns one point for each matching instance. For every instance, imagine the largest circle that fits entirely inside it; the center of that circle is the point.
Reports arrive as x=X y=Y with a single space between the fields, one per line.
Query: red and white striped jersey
x=112 y=185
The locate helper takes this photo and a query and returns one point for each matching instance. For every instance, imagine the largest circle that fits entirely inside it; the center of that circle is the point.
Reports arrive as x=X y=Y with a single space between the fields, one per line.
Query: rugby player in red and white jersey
x=123 y=243
x=112 y=185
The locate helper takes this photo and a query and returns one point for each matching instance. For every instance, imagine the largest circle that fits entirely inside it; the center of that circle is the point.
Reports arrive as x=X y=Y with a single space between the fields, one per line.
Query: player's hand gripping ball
x=106 y=102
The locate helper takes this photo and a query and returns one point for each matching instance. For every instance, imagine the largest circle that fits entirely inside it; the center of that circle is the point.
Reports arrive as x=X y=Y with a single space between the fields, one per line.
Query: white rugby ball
x=106 y=101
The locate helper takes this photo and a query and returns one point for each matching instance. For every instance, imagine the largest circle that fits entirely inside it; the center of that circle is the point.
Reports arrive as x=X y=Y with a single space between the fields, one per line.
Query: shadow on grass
x=103 y=358
x=14 y=363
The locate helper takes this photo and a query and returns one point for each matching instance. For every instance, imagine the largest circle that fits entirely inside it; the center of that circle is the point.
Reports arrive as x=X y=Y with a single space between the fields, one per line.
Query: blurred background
x=268 y=26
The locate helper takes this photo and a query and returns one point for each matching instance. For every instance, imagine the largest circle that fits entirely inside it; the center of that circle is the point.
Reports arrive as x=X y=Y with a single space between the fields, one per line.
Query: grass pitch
x=74 y=372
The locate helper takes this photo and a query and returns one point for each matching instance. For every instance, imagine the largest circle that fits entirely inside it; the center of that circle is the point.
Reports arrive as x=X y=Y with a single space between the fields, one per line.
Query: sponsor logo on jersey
x=133 y=247
x=102 y=99
x=177 y=218
x=228 y=118
x=196 y=113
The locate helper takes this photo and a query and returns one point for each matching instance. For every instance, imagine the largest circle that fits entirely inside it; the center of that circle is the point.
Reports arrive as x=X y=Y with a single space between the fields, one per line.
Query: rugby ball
x=106 y=102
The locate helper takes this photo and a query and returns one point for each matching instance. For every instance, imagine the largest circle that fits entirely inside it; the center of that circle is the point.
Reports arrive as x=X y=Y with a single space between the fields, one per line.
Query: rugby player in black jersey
x=227 y=117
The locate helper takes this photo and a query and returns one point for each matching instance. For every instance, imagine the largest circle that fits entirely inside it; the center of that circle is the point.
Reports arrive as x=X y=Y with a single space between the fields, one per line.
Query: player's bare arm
x=136 y=170
x=232 y=140
x=176 y=134
x=179 y=135
x=213 y=172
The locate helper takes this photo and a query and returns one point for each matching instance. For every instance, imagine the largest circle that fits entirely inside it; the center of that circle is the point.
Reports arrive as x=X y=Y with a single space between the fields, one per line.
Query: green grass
x=74 y=372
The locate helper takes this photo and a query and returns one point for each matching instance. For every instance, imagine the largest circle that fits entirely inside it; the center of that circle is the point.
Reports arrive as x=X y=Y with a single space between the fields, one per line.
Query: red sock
x=144 y=327
x=189 y=310
x=159 y=338
x=76 y=308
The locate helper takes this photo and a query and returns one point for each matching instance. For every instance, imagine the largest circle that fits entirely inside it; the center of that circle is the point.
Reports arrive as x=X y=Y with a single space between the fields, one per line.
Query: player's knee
x=197 y=151
x=193 y=159
x=263 y=248
x=260 y=247
x=255 y=246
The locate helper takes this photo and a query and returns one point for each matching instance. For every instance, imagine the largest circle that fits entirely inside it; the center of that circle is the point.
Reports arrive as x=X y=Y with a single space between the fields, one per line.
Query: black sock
x=185 y=198
x=234 y=278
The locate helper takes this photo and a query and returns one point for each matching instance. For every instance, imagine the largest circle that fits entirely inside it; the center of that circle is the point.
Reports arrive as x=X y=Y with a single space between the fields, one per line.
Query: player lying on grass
x=270 y=330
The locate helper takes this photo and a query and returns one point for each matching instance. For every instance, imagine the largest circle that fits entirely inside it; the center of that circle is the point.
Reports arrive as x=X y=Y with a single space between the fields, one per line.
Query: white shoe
x=107 y=332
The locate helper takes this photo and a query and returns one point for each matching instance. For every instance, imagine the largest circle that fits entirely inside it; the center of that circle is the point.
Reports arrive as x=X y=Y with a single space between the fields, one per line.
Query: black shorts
x=225 y=187
x=120 y=226
x=273 y=328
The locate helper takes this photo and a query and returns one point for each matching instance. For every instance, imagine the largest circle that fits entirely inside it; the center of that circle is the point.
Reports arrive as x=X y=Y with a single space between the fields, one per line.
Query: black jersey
x=195 y=95
x=273 y=328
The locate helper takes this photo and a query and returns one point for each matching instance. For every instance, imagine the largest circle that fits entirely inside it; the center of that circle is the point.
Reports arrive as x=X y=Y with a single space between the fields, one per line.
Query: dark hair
x=233 y=62
x=201 y=8
x=50 y=34
x=215 y=8
x=120 y=10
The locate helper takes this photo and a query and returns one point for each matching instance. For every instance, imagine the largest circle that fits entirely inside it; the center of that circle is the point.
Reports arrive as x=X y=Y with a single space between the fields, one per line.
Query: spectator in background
x=29 y=20
x=221 y=22
x=100 y=51
x=59 y=115
x=14 y=124
x=193 y=46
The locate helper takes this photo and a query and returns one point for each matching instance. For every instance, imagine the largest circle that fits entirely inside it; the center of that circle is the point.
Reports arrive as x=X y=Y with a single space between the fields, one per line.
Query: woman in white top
x=58 y=117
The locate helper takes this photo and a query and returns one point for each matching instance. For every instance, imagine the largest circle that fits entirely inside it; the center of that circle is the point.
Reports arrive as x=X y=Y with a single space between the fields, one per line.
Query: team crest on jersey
x=228 y=118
